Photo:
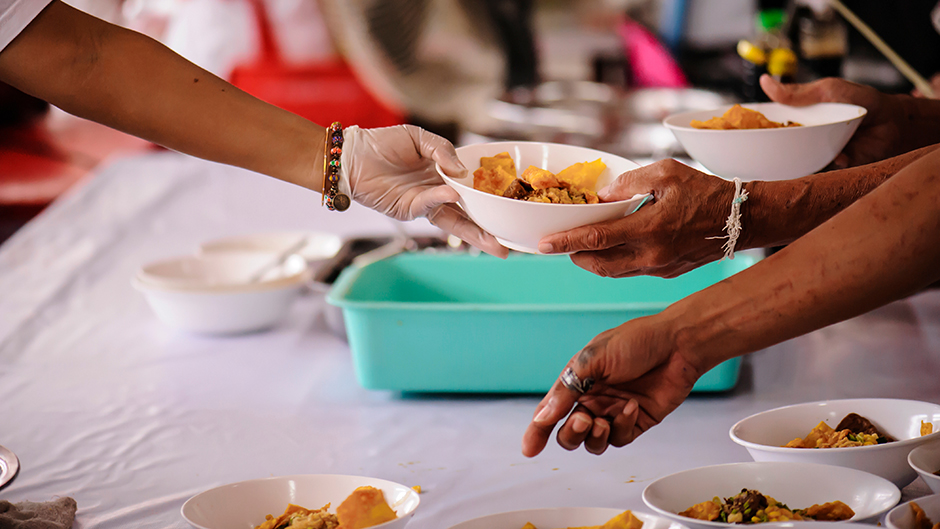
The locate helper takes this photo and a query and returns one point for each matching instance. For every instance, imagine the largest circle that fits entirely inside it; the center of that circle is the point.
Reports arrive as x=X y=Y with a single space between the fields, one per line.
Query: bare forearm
x=777 y=213
x=880 y=249
x=918 y=122
x=134 y=84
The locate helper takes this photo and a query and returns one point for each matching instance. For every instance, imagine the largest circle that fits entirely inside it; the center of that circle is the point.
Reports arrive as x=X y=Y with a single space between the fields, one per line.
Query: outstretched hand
x=665 y=238
x=639 y=378
x=392 y=170
x=878 y=137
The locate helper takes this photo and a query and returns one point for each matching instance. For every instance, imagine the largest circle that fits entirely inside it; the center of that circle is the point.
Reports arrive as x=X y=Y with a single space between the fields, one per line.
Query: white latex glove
x=391 y=170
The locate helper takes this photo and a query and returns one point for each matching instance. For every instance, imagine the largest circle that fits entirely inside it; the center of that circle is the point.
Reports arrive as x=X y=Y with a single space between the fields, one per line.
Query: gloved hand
x=391 y=170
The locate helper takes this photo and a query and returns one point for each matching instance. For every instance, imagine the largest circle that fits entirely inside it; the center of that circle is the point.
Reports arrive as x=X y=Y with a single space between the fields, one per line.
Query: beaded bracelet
x=332 y=151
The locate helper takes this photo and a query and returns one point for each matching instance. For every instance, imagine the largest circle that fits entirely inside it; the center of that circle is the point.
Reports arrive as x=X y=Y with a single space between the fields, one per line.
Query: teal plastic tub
x=462 y=323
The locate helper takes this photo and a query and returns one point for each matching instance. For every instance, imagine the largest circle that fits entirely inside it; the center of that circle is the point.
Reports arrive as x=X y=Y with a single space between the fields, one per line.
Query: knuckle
x=597 y=237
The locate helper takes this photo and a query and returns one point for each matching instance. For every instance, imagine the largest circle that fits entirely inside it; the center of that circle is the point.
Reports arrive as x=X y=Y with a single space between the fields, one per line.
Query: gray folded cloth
x=55 y=514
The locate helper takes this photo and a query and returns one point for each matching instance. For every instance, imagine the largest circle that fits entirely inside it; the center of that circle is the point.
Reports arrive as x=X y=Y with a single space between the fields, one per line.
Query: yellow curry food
x=738 y=117
x=852 y=430
x=573 y=185
x=365 y=507
x=921 y=521
x=750 y=506
x=624 y=520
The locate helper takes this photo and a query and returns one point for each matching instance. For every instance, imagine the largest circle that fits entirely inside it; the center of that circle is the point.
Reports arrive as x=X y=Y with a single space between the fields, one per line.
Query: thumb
x=629 y=184
x=436 y=148
x=790 y=94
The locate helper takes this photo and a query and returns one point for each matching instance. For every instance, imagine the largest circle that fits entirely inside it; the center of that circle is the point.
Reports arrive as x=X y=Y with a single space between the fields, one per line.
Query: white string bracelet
x=733 y=225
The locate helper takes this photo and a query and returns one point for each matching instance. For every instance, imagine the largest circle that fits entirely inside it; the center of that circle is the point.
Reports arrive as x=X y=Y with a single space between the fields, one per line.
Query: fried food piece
x=921 y=521
x=297 y=517
x=365 y=507
x=707 y=510
x=582 y=175
x=832 y=511
x=738 y=117
x=539 y=178
x=926 y=428
x=624 y=520
x=495 y=173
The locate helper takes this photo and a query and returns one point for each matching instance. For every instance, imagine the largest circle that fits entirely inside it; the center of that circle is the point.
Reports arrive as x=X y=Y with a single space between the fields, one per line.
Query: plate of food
x=766 y=141
x=565 y=517
x=770 y=492
x=874 y=435
x=9 y=466
x=303 y=501
x=523 y=191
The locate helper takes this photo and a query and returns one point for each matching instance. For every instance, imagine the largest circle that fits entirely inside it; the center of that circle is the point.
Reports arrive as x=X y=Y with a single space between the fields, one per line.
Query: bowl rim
x=888 y=519
x=614 y=510
x=141 y=282
x=659 y=510
x=724 y=108
x=456 y=184
x=854 y=449
x=417 y=497
x=920 y=470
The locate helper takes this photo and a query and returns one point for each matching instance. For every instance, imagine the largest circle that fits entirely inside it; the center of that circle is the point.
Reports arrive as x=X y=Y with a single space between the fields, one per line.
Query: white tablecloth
x=103 y=403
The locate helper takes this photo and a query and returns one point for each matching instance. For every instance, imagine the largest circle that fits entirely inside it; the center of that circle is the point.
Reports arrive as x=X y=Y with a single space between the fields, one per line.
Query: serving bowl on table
x=218 y=294
x=244 y=505
x=765 y=434
x=798 y=485
x=562 y=517
x=902 y=516
x=770 y=154
x=520 y=225
x=315 y=247
x=9 y=466
x=925 y=460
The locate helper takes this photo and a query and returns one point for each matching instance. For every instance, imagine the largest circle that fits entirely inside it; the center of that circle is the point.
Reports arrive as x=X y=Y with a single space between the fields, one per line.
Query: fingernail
x=546 y=247
x=546 y=412
x=630 y=407
x=599 y=429
x=581 y=424
x=604 y=191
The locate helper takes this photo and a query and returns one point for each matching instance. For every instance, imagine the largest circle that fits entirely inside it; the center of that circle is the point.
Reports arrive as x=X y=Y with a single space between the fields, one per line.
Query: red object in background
x=321 y=92
x=651 y=64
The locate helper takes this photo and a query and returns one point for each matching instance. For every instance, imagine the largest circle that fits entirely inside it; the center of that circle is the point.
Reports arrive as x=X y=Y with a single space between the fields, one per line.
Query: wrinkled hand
x=639 y=379
x=878 y=137
x=666 y=238
x=391 y=170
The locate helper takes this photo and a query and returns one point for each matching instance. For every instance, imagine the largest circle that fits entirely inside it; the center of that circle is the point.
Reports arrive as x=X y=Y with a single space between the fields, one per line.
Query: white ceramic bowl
x=519 y=225
x=211 y=294
x=243 y=505
x=798 y=485
x=925 y=460
x=902 y=517
x=559 y=518
x=770 y=154
x=312 y=246
x=765 y=433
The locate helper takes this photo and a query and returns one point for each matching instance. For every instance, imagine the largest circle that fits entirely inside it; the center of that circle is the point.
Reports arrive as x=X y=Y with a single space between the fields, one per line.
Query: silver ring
x=570 y=380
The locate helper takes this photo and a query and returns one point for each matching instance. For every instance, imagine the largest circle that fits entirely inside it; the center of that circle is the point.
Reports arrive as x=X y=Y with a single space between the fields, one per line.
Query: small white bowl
x=902 y=516
x=798 y=485
x=212 y=294
x=765 y=433
x=559 y=518
x=925 y=460
x=520 y=225
x=312 y=246
x=770 y=154
x=243 y=505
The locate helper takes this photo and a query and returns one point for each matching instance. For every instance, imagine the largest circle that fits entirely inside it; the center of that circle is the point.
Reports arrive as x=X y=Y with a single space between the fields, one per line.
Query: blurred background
x=598 y=73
